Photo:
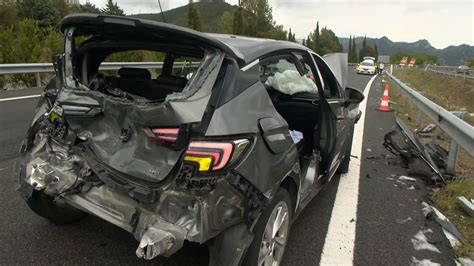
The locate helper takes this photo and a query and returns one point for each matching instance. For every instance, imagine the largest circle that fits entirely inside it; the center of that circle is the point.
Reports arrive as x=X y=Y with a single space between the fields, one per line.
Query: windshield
x=367 y=63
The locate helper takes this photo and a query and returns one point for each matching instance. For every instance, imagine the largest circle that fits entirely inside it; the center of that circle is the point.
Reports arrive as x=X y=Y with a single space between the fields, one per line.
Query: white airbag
x=291 y=82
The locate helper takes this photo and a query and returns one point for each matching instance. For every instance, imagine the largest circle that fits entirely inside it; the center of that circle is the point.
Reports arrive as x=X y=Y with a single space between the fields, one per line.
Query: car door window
x=331 y=87
x=286 y=75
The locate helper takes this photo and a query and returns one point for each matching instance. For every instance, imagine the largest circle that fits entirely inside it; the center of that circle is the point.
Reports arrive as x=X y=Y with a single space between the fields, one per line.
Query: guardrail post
x=38 y=80
x=453 y=149
x=419 y=115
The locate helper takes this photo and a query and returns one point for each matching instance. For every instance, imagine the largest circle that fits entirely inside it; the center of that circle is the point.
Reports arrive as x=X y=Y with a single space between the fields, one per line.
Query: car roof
x=253 y=48
x=244 y=49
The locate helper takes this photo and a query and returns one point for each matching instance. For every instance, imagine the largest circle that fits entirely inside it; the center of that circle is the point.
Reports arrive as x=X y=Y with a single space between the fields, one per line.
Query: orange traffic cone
x=384 y=104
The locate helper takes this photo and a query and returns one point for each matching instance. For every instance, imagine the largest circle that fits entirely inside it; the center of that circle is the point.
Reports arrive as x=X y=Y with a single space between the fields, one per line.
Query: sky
x=441 y=22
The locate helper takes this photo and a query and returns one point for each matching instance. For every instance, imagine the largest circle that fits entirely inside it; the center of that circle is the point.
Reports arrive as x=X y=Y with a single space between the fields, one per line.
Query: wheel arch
x=290 y=185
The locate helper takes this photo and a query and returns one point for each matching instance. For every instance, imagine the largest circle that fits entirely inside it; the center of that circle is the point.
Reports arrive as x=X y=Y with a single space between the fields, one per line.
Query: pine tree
x=355 y=57
x=289 y=36
x=316 y=41
x=194 y=21
x=112 y=8
x=364 y=42
x=349 y=50
x=237 y=25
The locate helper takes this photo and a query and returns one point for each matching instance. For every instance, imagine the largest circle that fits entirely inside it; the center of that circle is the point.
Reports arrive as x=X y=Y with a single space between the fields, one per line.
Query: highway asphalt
x=388 y=213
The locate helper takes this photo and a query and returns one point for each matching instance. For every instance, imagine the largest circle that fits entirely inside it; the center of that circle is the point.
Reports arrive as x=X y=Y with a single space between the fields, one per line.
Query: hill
x=210 y=13
x=452 y=55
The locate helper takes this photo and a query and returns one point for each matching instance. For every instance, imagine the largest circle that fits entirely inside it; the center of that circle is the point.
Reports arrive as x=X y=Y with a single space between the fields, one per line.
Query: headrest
x=134 y=73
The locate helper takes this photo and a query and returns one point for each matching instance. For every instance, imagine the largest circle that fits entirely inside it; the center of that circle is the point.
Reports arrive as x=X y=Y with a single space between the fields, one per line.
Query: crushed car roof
x=244 y=49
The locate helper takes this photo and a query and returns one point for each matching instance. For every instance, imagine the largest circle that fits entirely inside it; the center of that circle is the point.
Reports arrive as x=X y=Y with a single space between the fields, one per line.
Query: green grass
x=454 y=94
x=445 y=201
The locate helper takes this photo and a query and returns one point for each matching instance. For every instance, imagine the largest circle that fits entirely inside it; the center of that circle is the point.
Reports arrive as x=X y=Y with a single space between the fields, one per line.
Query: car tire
x=344 y=166
x=274 y=246
x=44 y=206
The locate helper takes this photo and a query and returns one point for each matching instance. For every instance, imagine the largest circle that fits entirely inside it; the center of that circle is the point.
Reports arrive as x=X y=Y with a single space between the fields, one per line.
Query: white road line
x=340 y=238
x=20 y=97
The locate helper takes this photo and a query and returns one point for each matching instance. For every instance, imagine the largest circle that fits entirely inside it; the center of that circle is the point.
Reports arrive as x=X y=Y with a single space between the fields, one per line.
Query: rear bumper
x=160 y=226
x=156 y=235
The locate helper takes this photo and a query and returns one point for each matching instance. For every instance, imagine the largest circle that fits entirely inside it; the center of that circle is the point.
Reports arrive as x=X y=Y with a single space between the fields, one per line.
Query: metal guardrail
x=451 y=71
x=460 y=131
x=37 y=68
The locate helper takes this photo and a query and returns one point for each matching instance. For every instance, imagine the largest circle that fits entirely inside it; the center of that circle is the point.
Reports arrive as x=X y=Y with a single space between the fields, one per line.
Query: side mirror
x=353 y=96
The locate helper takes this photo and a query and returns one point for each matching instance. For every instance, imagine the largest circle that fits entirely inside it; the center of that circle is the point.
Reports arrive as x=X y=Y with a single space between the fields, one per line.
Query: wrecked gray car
x=227 y=153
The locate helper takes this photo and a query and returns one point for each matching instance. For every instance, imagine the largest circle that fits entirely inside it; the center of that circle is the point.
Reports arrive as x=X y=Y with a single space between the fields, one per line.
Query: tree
x=257 y=18
x=366 y=50
x=355 y=57
x=316 y=39
x=8 y=15
x=226 y=23
x=304 y=42
x=194 y=21
x=470 y=62
x=238 y=27
x=328 y=42
x=264 y=17
x=86 y=8
x=43 y=11
x=112 y=8
x=308 y=42
x=349 y=48
x=291 y=37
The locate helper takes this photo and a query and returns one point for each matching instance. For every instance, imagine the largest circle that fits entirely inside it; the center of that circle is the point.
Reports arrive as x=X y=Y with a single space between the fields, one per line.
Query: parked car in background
x=227 y=156
x=369 y=58
x=366 y=67
x=463 y=69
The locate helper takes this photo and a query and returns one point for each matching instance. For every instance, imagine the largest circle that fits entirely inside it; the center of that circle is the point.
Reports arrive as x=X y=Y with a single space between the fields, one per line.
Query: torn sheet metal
x=404 y=143
x=449 y=229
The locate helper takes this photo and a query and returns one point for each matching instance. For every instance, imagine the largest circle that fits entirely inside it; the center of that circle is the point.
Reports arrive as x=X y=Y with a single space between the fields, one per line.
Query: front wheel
x=271 y=232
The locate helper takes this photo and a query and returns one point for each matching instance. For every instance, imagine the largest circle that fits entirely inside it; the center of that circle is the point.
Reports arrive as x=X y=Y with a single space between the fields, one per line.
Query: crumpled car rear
x=118 y=156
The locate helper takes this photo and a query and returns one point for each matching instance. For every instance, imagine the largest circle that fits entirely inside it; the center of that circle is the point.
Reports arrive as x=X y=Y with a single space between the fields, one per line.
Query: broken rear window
x=148 y=72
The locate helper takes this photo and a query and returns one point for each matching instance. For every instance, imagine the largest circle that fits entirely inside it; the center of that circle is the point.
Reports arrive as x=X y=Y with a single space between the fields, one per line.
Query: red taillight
x=213 y=155
x=162 y=134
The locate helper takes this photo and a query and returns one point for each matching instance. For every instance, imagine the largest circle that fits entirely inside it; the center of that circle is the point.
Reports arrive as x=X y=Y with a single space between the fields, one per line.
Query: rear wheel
x=271 y=232
x=46 y=207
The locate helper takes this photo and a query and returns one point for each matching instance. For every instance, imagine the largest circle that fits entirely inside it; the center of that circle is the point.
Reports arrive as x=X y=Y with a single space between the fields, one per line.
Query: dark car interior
x=136 y=81
x=300 y=110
